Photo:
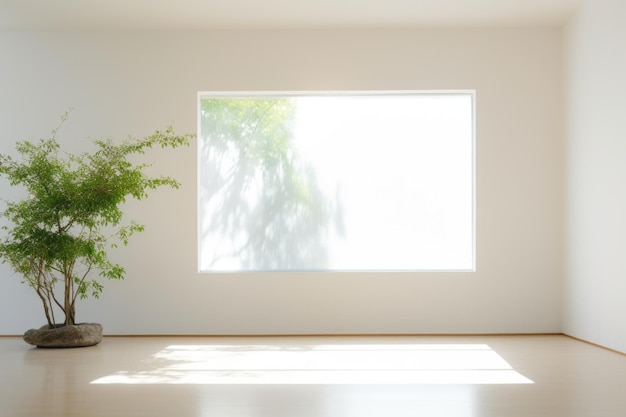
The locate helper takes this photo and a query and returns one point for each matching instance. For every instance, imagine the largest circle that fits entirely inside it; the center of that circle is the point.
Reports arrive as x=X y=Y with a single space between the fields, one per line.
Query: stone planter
x=77 y=335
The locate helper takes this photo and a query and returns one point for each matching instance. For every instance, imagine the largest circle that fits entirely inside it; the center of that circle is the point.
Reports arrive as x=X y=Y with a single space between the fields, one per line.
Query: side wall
x=133 y=83
x=595 y=285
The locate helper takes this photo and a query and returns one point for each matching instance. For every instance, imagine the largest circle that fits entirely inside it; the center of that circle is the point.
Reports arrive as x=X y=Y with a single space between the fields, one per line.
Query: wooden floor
x=397 y=376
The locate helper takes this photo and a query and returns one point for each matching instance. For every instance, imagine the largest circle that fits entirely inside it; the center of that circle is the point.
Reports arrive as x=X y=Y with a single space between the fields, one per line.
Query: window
x=336 y=181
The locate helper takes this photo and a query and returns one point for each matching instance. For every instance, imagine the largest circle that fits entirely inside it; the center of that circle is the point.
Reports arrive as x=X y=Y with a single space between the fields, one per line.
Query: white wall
x=133 y=83
x=595 y=286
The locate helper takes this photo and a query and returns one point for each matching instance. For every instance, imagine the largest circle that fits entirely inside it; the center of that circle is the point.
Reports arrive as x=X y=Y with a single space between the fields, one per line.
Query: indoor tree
x=57 y=237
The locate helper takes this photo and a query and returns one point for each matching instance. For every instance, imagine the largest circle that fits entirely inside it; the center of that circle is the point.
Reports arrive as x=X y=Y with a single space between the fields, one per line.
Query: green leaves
x=57 y=232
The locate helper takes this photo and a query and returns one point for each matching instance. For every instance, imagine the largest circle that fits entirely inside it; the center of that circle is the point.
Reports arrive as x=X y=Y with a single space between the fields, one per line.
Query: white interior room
x=550 y=145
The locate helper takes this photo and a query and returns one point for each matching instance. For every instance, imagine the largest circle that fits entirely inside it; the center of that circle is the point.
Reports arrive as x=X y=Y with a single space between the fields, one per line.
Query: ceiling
x=277 y=14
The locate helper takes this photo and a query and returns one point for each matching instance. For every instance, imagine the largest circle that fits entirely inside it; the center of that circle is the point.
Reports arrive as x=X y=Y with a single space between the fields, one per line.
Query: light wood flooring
x=390 y=376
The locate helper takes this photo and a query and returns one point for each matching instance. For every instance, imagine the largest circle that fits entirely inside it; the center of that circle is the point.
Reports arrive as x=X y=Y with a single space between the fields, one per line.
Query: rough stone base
x=77 y=335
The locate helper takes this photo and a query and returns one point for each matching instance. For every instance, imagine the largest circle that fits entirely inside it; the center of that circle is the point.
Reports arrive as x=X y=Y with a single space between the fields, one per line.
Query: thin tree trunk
x=42 y=290
x=67 y=302
x=45 y=308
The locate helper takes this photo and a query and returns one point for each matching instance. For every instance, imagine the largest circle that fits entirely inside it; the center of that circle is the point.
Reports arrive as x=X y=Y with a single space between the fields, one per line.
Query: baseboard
x=390 y=335
x=216 y=335
x=330 y=335
x=595 y=344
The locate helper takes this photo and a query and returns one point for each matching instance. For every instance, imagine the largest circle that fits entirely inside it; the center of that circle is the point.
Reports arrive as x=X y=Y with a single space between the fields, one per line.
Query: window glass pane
x=336 y=182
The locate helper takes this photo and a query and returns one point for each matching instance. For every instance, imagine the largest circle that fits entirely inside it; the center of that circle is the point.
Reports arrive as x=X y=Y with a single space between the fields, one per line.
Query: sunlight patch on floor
x=321 y=364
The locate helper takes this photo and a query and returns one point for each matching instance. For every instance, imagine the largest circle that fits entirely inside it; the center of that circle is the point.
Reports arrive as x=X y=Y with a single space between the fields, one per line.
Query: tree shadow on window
x=262 y=207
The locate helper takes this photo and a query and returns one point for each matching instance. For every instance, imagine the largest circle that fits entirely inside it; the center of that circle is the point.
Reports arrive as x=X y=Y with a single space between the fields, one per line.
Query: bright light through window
x=336 y=182
x=322 y=364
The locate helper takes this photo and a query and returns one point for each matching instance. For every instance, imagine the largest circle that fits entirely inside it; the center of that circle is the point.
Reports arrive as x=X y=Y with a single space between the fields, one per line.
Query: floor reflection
x=321 y=364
